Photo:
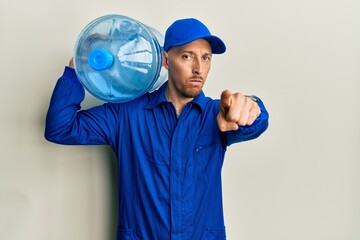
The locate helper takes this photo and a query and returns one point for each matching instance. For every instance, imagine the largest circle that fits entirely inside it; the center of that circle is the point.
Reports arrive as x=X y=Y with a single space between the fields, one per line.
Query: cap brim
x=217 y=45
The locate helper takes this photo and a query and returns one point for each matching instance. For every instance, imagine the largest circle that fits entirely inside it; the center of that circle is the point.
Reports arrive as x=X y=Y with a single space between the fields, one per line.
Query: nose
x=197 y=66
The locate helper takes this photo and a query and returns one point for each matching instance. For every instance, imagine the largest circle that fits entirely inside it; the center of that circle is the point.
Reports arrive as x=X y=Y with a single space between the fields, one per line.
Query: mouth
x=196 y=83
x=196 y=80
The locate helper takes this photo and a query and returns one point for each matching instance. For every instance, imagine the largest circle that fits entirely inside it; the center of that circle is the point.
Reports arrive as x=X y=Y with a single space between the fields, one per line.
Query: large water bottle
x=118 y=59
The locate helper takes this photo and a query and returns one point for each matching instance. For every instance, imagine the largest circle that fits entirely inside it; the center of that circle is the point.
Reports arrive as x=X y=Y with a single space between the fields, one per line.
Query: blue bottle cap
x=100 y=59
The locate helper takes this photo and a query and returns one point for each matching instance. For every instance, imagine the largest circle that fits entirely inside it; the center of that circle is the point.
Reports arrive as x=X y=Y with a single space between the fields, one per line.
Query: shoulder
x=211 y=106
x=129 y=106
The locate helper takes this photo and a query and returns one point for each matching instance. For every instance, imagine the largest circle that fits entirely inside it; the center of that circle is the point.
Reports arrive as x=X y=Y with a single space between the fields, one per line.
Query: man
x=170 y=144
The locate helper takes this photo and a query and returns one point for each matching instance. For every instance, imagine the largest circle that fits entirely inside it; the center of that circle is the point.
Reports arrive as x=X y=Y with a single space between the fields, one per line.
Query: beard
x=189 y=88
x=190 y=92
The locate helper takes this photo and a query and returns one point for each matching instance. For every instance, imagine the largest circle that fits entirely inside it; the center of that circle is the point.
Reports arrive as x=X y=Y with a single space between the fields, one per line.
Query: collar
x=158 y=97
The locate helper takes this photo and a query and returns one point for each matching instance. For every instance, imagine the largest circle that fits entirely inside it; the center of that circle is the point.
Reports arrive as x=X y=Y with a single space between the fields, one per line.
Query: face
x=188 y=66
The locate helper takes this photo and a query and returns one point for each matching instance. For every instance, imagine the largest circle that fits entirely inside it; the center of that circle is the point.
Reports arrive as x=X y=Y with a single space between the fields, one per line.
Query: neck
x=178 y=101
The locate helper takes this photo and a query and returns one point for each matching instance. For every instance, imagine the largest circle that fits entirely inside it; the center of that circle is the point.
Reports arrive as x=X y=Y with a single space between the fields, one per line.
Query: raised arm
x=66 y=123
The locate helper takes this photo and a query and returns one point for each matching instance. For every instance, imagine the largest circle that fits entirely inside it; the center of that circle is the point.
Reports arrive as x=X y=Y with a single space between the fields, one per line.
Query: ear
x=165 y=60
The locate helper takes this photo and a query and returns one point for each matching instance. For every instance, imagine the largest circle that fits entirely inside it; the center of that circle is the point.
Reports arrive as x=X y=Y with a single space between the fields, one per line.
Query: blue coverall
x=169 y=168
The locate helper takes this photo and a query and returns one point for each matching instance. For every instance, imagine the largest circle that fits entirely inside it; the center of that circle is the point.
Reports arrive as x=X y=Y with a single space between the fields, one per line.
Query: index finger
x=225 y=99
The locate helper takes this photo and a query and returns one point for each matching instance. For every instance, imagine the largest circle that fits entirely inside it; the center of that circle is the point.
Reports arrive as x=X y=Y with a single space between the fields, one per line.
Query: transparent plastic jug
x=118 y=59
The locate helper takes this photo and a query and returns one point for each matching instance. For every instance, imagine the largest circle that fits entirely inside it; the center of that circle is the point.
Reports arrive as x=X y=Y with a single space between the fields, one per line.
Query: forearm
x=64 y=105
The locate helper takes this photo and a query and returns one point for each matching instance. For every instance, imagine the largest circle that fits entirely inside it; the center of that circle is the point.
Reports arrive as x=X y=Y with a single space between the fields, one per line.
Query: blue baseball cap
x=187 y=30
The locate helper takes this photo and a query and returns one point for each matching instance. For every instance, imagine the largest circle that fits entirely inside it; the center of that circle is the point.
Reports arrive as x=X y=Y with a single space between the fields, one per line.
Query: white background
x=300 y=180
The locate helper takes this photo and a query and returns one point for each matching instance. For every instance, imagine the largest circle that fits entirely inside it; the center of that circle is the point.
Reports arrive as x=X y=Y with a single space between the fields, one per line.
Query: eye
x=186 y=56
x=207 y=58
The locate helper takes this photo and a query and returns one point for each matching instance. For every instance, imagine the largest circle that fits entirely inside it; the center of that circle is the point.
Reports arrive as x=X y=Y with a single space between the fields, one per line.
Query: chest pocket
x=157 y=149
x=206 y=143
x=157 y=157
x=208 y=156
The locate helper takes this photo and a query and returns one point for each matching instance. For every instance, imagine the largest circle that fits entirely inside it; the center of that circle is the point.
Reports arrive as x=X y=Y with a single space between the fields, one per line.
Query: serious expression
x=188 y=66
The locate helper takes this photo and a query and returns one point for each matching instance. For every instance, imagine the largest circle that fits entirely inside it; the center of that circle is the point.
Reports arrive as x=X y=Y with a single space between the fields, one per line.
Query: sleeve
x=67 y=124
x=246 y=133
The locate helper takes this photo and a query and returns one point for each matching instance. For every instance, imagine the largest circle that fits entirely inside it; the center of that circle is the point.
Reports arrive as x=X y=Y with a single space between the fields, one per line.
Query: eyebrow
x=192 y=52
